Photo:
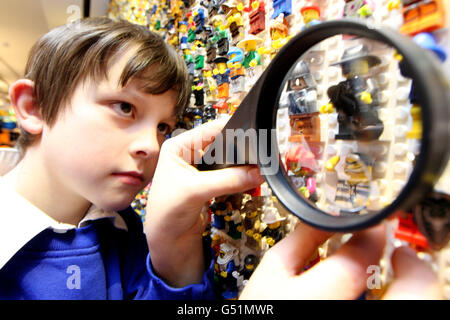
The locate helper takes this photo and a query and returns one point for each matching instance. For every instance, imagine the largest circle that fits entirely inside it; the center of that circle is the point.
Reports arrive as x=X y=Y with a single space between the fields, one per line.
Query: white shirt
x=21 y=221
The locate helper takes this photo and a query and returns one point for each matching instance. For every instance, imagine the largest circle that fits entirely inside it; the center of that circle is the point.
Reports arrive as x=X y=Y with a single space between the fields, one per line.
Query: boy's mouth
x=130 y=177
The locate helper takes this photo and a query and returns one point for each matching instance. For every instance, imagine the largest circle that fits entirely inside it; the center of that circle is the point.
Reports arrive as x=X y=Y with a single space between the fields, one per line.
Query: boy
x=97 y=100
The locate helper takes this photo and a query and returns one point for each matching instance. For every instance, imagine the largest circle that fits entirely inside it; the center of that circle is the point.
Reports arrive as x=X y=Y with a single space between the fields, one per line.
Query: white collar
x=21 y=221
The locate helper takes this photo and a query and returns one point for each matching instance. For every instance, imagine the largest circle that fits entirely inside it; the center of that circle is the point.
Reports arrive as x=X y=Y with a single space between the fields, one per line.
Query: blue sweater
x=98 y=261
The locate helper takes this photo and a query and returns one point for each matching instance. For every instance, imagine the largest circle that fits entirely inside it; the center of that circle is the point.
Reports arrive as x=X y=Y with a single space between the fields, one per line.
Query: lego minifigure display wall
x=228 y=44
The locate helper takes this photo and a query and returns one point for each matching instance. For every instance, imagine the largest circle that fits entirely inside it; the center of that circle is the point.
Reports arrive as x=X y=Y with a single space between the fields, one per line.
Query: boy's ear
x=22 y=99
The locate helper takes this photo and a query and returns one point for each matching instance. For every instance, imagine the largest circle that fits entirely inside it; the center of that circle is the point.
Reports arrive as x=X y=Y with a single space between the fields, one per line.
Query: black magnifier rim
x=432 y=88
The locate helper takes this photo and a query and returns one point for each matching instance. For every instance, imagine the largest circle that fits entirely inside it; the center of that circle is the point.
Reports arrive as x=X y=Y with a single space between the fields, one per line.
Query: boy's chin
x=114 y=205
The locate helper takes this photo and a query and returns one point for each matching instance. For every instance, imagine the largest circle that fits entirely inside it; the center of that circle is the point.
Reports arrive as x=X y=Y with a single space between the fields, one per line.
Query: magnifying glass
x=348 y=124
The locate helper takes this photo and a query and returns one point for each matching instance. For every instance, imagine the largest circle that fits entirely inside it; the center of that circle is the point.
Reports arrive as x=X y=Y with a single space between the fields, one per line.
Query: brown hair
x=69 y=54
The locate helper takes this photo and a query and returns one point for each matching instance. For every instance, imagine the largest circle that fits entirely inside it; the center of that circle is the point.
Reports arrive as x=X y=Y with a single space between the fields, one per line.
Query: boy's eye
x=164 y=129
x=123 y=108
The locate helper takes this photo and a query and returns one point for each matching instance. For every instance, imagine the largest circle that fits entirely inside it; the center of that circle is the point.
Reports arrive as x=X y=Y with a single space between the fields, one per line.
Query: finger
x=294 y=251
x=344 y=274
x=228 y=181
x=414 y=279
x=201 y=136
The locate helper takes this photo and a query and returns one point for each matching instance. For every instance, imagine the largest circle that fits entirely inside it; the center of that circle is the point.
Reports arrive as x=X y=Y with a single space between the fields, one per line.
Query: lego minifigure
x=302 y=103
x=209 y=113
x=301 y=88
x=281 y=7
x=279 y=35
x=222 y=77
x=355 y=98
x=310 y=15
x=222 y=109
x=197 y=90
x=358 y=8
x=353 y=182
x=219 y=209
x=252 y=224
x=210 y=85
x=257 y=16
x=236 y=56
x=233 y=217
x=252 y=59
x=234 y=20
x=228 y=266
x=302 y=163
x=250 y=263
x=426 y=41
x=274 y=231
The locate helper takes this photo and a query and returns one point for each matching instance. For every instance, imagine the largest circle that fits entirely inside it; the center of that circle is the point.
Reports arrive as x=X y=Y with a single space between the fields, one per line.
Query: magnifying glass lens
x=348 y=125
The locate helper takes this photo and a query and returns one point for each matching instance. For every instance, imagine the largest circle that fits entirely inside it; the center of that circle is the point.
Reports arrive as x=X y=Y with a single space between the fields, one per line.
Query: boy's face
x=105 y=145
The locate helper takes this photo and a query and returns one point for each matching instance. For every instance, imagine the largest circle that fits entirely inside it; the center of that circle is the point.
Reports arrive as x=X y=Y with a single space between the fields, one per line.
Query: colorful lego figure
x=221 y=35
x=426 y=41
x=279 y=35
x=198 y=116
x=252 y=224
x=234 y=20
x=237 y=73
x=233 y=104
x=358 y=8
x=302 y=163
x=222 y=109
x=182 y=34
x=274 y=231
x=281 y=7
x=219 y=209
x=302 y=103
x=252 y=59
x=209 y=113
x=233 y=217
x=355 y=98
x=199 y=19
x=200 y=52
x=189 y=60
x=199 y=93
x=250 y=263
x=353 y=181
x=301 y=88
x=257 y=16
x=222 y=76
x=228 y=266
x=310 y=15
x=210 y=85
x=422 y=16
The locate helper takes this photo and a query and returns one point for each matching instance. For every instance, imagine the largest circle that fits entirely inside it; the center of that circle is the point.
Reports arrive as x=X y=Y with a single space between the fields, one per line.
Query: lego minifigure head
x=278 y=30
x=182 y=27
x=300 y=77
x=310 y=13
x=357 y=61
x=250 y=262
x=227 y=253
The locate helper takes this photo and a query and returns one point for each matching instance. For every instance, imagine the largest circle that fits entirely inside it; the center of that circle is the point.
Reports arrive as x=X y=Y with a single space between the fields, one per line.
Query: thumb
x=215 y=183
x=414 y=279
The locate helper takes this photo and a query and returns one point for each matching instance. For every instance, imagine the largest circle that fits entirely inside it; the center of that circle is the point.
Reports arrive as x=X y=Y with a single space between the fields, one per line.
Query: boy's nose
x=145 y=145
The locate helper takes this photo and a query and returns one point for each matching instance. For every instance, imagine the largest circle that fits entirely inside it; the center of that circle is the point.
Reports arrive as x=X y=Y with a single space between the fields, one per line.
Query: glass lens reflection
x=348 y=125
